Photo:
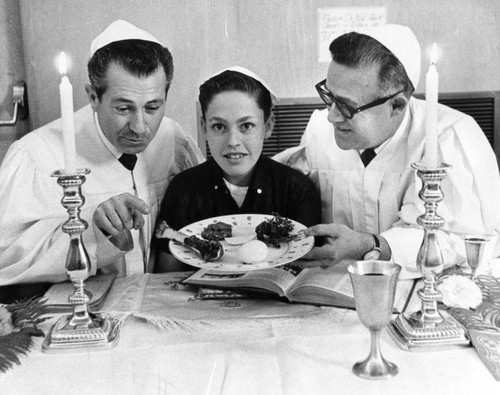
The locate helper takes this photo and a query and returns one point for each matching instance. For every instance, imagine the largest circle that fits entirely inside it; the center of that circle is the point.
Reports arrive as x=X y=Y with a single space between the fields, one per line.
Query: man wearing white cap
x=131 y=148
x=360 y=149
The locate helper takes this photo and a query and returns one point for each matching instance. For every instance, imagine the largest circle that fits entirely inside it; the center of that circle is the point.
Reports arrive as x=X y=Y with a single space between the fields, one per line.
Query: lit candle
x=431 y=103
x=68 y=124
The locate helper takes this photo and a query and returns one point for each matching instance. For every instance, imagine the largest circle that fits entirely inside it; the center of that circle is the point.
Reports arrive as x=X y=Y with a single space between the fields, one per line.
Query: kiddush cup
x=374 y=284
x=475 y=246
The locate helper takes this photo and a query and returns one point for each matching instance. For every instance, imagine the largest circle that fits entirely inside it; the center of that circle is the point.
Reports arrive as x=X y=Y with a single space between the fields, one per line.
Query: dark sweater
x=200 y=193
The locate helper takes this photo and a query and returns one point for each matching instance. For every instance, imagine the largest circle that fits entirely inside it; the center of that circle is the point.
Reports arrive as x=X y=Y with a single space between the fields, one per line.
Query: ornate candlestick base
x=428 y=328
x=82 y=329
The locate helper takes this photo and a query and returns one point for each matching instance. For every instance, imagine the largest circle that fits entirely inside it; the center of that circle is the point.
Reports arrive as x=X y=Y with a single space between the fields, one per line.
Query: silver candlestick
x=82 y=329
x=429 y=328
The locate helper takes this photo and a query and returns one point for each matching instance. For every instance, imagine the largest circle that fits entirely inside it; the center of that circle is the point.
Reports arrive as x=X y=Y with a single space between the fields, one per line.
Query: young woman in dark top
x=237 y=117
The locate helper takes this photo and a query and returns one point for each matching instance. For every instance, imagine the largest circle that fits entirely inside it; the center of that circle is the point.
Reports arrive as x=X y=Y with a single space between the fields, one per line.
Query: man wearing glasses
x=360 y=149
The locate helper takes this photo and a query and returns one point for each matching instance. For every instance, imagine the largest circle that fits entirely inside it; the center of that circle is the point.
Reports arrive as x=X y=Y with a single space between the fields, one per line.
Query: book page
x=332 y=286
x=334 y=278
x=329 y=286
x=276 y=280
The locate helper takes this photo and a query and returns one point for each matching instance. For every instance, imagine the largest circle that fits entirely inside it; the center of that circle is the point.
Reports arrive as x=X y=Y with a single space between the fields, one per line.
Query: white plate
x=242 y=224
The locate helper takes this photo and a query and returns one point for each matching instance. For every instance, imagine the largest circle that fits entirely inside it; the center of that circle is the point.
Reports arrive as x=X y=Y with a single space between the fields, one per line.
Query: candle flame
x=434 y=53
x=62 y=63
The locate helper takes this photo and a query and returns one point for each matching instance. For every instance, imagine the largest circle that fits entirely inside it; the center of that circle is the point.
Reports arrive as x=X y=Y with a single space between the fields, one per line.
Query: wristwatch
x=374 y=253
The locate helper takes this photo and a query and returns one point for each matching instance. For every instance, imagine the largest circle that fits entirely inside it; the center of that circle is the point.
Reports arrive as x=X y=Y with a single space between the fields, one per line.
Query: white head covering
x=242 y=70
x=401 y=41
x=120 y=30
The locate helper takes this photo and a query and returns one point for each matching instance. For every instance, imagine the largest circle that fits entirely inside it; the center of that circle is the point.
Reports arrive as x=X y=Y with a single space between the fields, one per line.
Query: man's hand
x=341 y=242
x=120 y=212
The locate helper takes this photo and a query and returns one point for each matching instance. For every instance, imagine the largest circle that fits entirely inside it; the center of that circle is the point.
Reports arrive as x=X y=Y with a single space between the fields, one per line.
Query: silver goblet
x=374 y=285
x=474 y=251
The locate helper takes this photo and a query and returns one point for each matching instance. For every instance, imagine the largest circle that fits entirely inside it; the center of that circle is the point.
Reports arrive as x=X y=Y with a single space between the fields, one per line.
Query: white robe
x=383 y=198
x=33 y=247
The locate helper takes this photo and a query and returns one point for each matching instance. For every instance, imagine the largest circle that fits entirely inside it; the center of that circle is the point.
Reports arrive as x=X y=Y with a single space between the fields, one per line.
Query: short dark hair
x=356 y=49
x=235 y=81
x=139 y=57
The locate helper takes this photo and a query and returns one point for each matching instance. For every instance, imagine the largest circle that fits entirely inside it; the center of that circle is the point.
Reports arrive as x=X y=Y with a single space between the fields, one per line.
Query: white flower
x=6 y=325
x=460 y=291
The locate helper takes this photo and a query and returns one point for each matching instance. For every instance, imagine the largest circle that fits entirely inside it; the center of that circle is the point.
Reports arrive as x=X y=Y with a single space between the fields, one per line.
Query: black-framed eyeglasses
x=345 y=109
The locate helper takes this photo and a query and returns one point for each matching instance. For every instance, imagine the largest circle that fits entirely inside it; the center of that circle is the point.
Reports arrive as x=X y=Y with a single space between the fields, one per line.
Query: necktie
x=367 y=156
x=128 y=160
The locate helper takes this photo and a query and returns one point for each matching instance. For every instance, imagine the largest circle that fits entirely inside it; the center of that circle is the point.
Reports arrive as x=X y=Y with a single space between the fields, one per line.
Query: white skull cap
x=242 y=70
x=401 y=41
x=120 y=30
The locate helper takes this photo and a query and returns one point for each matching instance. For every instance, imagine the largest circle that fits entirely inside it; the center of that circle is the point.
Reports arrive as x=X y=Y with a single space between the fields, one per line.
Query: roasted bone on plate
x=208 y=250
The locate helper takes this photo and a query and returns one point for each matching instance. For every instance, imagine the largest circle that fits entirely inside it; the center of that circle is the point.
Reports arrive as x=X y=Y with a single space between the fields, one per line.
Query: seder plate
x=243 y=224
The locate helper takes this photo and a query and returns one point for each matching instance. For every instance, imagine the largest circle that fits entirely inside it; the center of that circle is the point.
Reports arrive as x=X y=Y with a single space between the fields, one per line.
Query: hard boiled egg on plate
x=253 y=251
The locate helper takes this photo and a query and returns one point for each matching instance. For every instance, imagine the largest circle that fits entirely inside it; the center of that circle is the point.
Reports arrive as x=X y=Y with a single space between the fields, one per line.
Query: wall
x=274 y=38
x=11 y=70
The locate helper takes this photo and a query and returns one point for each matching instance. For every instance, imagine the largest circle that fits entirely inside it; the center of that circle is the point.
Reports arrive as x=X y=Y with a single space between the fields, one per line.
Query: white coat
x=33 y=247
x=383 y=197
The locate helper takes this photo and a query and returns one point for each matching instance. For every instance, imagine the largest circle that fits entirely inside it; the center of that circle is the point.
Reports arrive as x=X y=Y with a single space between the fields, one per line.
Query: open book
x=322 y=286
x=98 y=287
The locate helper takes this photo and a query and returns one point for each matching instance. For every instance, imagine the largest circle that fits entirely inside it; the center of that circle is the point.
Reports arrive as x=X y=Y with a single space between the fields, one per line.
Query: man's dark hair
x=140 y=58
x=359 y=50
x=235 y=81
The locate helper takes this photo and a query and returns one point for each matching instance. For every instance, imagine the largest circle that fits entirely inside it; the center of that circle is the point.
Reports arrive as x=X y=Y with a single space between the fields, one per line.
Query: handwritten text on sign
x=333 y=22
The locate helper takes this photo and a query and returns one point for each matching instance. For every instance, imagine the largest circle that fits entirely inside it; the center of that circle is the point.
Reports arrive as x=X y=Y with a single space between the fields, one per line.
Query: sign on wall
x=333 y=22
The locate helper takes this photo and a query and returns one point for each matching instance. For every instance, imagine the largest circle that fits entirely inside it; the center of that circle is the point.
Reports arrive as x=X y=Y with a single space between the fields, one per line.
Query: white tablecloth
x=312 y=354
